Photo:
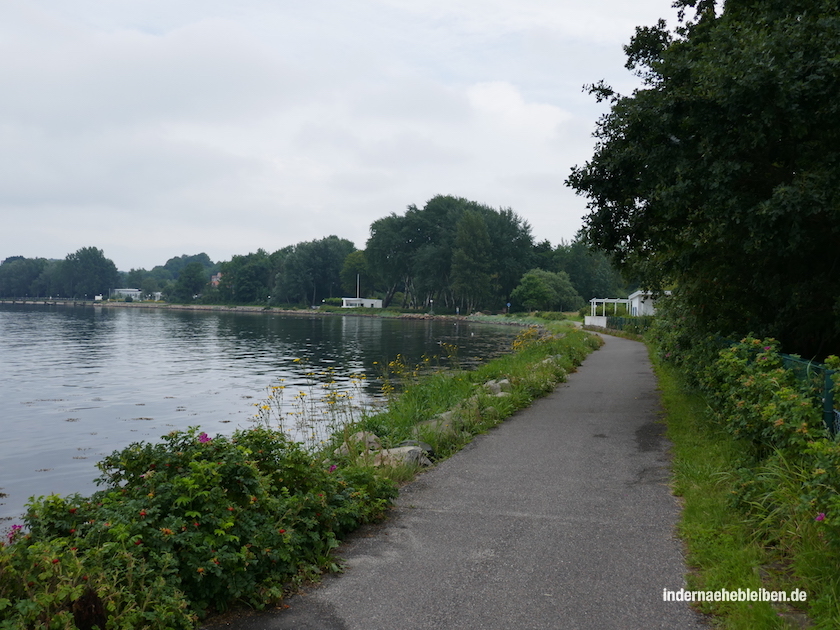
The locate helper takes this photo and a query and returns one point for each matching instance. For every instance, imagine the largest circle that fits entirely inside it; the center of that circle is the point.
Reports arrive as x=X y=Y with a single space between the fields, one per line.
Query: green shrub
x=758 y=400
x=201 y=521
x=785 y=480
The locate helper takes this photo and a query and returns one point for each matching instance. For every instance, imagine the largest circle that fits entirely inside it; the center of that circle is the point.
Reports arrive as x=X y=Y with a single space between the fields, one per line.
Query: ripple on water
x=73 y=378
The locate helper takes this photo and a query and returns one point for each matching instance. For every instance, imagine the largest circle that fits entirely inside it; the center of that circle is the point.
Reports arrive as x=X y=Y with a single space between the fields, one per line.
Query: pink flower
x=333 y=467
x=820 y=516
x=15 y=529
x=203 y=437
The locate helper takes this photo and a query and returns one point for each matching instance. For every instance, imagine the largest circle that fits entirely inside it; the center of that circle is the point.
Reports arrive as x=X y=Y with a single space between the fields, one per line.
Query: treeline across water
x=450 y=254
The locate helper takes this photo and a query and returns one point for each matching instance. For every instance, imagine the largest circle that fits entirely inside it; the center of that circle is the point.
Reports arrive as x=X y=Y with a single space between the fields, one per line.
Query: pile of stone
x=451 y=422
x=420 y=453
x=368 y=445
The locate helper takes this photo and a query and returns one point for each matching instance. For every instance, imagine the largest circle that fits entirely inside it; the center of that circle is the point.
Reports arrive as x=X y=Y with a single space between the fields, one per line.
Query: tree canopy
x=453 y=251
x=461 y=254
x=546 y=290
x=311 y=271
x=720 y=174
x=87 y=272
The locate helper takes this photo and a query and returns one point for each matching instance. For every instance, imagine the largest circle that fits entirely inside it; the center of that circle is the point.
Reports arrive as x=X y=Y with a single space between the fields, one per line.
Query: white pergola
x=594 y=303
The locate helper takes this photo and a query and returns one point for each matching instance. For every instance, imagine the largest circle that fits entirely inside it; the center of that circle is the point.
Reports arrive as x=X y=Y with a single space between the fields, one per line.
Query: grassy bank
x=198 y=523
x=447 y=408
x=760 y=539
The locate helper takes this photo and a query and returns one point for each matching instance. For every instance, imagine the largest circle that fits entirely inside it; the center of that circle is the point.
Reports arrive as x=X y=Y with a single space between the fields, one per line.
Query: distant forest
x=451 y=253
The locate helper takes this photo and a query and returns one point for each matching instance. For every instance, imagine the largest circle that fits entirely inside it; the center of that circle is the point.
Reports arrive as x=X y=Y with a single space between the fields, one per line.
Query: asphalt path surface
x=561 y=517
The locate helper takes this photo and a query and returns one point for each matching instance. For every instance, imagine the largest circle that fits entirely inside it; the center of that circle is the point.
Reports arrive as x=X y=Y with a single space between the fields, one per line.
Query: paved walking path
x=559 y=518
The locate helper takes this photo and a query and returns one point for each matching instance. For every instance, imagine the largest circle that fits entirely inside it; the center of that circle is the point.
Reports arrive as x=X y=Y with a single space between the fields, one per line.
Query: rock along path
x=559 y=518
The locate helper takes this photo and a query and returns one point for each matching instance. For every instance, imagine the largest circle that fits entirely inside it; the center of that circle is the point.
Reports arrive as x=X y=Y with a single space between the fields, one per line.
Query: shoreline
x=254 y=309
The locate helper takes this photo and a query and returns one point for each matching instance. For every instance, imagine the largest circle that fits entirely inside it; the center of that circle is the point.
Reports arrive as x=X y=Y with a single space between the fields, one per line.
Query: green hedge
x=181 y=527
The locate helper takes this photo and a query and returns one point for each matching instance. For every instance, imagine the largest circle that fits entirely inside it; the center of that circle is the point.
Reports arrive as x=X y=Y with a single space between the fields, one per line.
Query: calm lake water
x=79 y=382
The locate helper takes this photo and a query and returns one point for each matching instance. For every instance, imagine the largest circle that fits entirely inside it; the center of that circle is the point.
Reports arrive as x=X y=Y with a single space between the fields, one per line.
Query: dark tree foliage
x=192 y=280
x=87 y=273
x=311 y=271
x=388 y=256
x=18 y=276
x=247 y=279
x=546 y=290
x=420 y=253
x=591 y=273
x=165 y=277
x=720 y=174
x=175 y=265
x=356 y=276
x=471 y=262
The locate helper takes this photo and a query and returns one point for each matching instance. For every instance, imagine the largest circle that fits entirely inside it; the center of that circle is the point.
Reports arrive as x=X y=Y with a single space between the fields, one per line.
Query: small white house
x=638 y=303
x=642 y=303
x=355 y=302
x=134 y=294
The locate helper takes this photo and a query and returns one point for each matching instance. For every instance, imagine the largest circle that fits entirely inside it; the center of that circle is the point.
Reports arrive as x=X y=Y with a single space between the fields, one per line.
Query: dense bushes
x=787 y=482
x=183 y=526
x=760 y=401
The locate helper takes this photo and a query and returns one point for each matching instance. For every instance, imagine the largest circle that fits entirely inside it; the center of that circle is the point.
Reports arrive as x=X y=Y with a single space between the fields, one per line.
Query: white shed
x=642 y=303
x=355 y=302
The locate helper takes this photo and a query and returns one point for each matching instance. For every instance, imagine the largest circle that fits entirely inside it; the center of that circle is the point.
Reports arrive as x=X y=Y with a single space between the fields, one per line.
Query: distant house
x=642 y=303
x=637 y=303
x=354 y=302
x=215 y=279
x=134 y=294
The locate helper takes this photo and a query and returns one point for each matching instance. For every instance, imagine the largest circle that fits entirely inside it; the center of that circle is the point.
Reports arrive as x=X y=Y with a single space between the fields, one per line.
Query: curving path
x=559 y=518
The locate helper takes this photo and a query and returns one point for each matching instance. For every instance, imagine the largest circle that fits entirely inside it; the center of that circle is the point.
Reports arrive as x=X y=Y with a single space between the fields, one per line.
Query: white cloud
x=225 y=127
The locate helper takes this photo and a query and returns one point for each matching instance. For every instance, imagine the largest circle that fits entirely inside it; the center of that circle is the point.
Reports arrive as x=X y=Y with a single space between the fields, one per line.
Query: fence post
x=828 y=401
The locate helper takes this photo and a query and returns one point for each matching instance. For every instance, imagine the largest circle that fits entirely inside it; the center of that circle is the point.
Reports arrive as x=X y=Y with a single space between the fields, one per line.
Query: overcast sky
x=153 y=128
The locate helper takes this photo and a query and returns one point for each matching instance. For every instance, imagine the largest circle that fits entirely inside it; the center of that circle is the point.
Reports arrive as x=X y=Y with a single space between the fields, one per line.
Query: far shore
x=352 y=312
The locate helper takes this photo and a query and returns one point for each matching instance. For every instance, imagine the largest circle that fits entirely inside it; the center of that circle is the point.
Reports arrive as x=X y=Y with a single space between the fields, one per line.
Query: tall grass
x=767 y=542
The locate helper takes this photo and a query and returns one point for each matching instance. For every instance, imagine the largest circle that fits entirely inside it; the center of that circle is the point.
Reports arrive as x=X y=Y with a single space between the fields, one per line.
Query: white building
x=355 y=302
x=638 y=303
x=642 y=303
x=135 y=294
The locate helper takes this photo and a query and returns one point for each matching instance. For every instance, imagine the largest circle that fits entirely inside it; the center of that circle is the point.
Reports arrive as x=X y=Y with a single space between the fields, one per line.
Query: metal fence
x=816 y=380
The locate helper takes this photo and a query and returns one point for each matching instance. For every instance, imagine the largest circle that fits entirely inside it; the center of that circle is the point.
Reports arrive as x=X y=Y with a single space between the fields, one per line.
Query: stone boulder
x=427 y=449
x=401 y=455
x=501 y=387
x=361 y=442
x=444 y=423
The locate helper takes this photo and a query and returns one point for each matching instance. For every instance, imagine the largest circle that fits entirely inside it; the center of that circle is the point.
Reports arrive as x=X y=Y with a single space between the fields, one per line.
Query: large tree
x=720 y=174
x=418 y=252
x=247 y=279
x=19 y=275
x=311 y=271
x=471 y=261
x=191 y=282
x=388 y=254
x=87 y=272
x=545 y=290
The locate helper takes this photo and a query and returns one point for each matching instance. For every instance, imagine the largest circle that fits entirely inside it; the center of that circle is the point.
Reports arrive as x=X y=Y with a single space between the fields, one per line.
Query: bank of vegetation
x=716 y=179
x=759 y=472
x=195 y=523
